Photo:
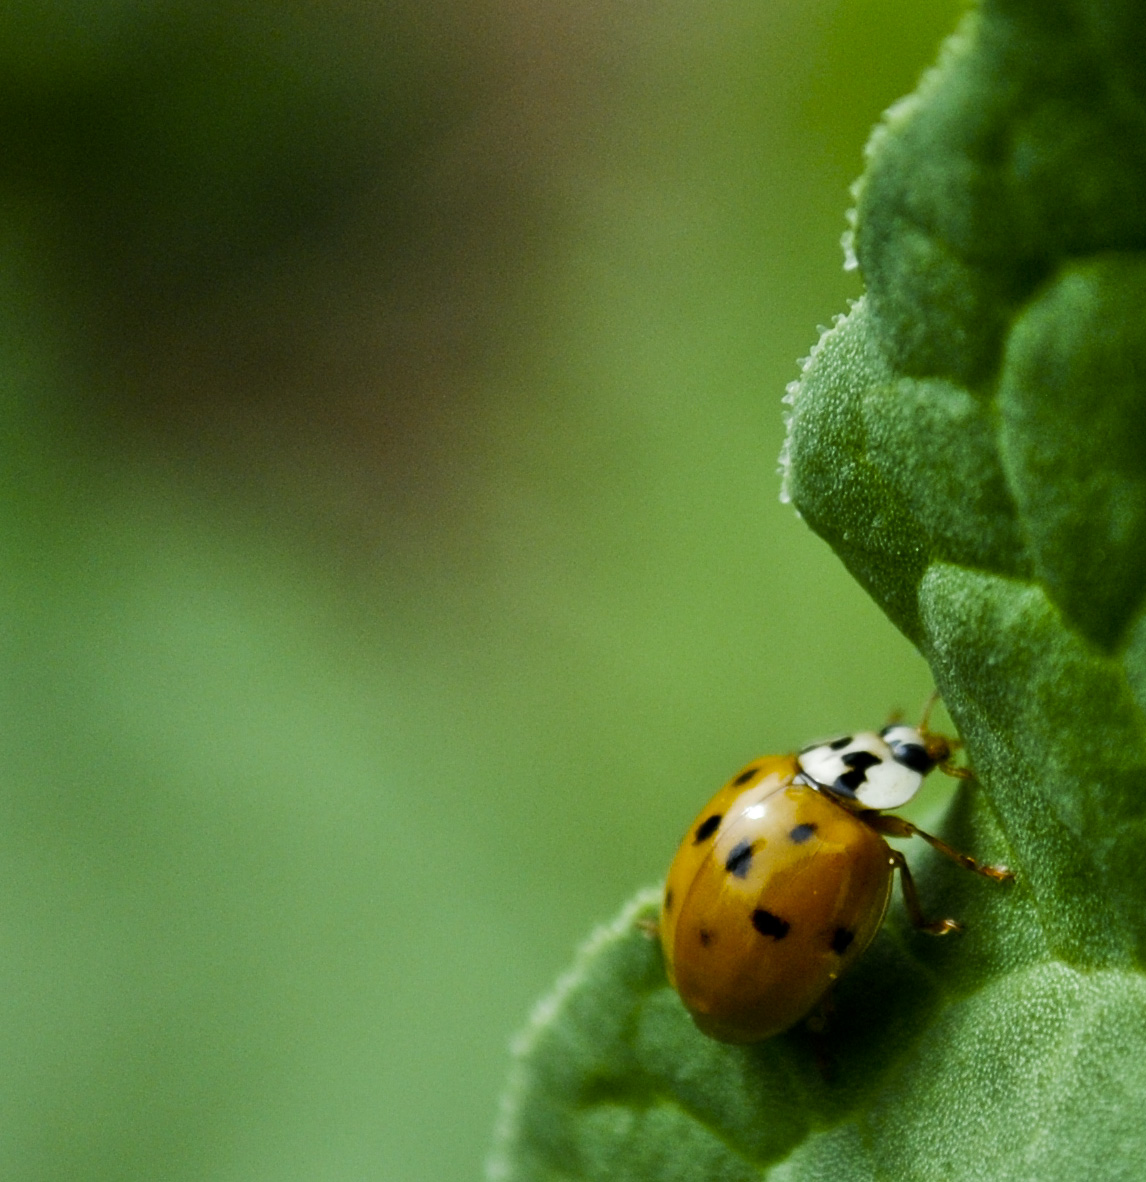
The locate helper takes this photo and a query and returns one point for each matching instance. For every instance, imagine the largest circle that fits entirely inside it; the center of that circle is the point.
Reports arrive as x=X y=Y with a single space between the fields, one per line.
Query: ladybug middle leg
x=935 y=927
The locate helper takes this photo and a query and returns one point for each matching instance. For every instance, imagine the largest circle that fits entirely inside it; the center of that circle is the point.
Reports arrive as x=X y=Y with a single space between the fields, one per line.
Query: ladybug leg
x=817 y=1024
x=936 y=927
x=822 y=1014
x=898 y=827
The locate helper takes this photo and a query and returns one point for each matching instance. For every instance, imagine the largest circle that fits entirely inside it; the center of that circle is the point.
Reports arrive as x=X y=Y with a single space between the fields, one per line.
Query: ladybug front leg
x=936 y=927
x=897 y=827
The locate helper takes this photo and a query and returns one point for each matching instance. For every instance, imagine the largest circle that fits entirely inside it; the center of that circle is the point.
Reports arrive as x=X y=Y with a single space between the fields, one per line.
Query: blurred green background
x=392 y=561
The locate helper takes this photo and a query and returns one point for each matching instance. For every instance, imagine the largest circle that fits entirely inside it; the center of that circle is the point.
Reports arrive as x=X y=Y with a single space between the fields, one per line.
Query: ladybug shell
x=773 y=893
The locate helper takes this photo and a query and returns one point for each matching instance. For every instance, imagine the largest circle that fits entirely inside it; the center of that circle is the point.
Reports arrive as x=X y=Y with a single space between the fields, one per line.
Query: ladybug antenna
x=939 y=747
x=925 y=721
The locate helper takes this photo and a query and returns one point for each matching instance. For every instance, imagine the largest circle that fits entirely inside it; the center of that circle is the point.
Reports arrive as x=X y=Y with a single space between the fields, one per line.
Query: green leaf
x=971 y=440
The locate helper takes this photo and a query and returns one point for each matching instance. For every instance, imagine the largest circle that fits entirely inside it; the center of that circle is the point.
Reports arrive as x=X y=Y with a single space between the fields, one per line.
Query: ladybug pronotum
x=784 y=878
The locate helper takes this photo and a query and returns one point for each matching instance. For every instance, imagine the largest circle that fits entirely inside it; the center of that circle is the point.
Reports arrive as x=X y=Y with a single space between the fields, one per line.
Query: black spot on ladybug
x=768 y=924
x=840 y=744
x=707 y=828
x=841 y=940
x=740 y=859
x=858 y=762
x=801 y=833
x=668 y=899
x=705 y=937
x=744 y=776
x=913 y=756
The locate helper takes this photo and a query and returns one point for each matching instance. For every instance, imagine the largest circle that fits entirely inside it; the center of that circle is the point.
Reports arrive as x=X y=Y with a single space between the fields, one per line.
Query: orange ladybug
x=784 y=878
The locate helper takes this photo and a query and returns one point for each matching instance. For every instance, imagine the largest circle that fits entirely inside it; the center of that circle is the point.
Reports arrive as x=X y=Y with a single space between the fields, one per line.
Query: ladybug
x=784 y=878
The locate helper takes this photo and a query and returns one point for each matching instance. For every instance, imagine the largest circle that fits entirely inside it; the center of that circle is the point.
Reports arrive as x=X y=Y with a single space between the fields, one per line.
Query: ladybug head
x=880 y=771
